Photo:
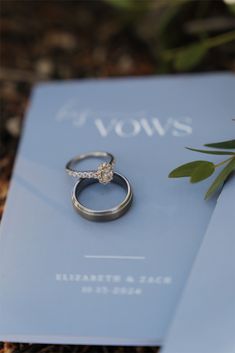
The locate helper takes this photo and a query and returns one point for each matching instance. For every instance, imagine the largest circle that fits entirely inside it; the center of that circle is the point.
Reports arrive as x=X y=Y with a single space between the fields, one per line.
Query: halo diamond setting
x=105 y=173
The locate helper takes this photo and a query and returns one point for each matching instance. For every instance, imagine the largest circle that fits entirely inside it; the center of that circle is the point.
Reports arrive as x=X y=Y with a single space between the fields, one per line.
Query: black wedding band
x=102 y=215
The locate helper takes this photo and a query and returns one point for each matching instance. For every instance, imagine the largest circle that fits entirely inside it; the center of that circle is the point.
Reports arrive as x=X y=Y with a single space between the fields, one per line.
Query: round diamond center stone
x=105 y=173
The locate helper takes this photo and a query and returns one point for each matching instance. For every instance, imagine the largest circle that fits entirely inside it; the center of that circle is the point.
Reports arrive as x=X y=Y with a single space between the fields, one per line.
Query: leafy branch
x=201 y=169
x=186 y=58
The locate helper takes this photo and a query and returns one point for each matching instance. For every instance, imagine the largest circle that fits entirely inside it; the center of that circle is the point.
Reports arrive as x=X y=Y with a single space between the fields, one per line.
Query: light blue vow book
x=64 y=279
x=205 y=318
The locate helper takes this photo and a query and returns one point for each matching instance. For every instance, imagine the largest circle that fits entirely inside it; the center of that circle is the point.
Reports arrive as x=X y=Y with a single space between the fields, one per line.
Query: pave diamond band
x=104 y=172
x=82 y=174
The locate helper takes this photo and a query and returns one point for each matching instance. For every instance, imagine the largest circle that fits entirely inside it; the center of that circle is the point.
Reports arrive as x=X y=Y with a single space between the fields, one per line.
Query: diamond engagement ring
x=104 y=172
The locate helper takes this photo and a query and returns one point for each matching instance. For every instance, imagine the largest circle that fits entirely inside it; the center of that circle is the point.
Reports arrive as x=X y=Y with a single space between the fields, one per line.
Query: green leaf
x=129 y=4
x=220 y=179
x=170 y=12
x=211 y=152
x=231 y=8
x=189 y=57
x=125 y=4
x=203 y=171
x=186 y=170
x=225 y=144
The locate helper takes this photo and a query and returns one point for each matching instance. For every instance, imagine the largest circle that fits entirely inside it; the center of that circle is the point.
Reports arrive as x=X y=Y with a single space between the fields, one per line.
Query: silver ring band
x=102 y=215
x=104 y=172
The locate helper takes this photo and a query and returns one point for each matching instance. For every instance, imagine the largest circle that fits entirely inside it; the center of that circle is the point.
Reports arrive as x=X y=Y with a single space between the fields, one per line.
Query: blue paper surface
x=205 y=318
x=64 y=279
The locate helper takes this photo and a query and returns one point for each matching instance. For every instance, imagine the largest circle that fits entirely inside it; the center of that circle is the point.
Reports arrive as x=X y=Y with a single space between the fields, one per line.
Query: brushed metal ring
x=104 y=172
x=107 y=214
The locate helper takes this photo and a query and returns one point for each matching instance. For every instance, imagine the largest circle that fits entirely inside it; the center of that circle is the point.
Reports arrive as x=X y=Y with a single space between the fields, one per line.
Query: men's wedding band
x=104 y=172
x=107 y=214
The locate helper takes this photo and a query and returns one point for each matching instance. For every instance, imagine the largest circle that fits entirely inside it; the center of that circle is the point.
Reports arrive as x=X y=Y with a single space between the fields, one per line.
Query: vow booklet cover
x=205 y=318
x=65 y=279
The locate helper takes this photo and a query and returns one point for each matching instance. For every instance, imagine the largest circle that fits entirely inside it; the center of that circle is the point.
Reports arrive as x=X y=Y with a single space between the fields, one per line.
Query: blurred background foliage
x=183 y=35
x=60 y=39
x=43 y=40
